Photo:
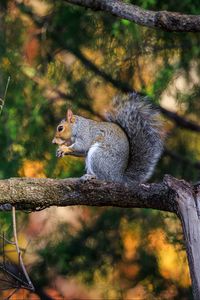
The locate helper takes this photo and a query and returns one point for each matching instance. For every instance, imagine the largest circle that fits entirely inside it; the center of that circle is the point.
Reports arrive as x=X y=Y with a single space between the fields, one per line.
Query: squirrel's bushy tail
x=140 y=122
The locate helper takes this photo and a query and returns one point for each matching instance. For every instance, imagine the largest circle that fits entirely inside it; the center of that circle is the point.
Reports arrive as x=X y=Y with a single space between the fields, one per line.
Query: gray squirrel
x=124 y=149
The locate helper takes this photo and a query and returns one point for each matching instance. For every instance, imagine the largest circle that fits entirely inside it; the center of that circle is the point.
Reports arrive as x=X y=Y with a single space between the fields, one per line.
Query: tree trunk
x=188 y=210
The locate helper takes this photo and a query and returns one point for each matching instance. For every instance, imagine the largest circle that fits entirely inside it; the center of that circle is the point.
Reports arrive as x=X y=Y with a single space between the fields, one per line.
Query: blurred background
x=60 y=56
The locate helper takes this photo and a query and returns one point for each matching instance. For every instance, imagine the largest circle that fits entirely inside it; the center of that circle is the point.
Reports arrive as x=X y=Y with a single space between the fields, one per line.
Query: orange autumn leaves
x=172 y=262
x=32 y=169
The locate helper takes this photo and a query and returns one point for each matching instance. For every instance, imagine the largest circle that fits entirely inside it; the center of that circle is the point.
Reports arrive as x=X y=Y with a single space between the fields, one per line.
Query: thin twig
x=11 y=294
x=18 y=250
x=2 y=100
x=3 y=249
x=21 y=281
x=6 y=89
x=6 y=240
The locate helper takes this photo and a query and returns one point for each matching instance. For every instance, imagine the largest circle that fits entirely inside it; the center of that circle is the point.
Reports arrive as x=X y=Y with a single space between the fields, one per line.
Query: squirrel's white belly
x=88 y=161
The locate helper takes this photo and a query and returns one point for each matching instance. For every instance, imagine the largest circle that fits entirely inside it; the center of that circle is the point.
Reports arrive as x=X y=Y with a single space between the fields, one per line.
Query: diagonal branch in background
x=91 y=66
x=179 y=121
x=172 y=195
x=124 y=87
x=178 y=158
x=165 y=20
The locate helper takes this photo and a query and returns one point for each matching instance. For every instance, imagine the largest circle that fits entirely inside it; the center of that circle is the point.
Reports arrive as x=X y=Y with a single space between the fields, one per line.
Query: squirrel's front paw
x=63 y=150
x=59 y=153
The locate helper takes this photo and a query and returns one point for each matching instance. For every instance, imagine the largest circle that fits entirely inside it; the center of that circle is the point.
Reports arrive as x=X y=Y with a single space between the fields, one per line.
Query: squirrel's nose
x=54 y=141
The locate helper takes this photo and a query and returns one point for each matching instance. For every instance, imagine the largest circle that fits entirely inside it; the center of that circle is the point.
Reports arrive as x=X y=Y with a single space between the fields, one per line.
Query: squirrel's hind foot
x=88 y=177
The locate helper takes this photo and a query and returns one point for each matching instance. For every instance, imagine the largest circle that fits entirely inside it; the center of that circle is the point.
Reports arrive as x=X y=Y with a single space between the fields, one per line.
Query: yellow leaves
x=95 y=56
x=17 y=148
x=5 y=63
x=131 y=241
x=28 y=71
x=172 y=262
x=55 y=71
x=41 y=8
x=32 y=169
x=11 y=253
x=130 y=238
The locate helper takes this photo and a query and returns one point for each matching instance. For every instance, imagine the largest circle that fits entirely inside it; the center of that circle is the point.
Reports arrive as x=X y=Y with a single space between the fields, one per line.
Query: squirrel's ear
x=70 y=116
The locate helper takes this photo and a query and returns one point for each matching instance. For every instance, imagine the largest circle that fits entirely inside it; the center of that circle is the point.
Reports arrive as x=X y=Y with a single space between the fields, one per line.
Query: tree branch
x=167 y=21
x=179 y=120
x=36 y=194
x=172 y=195
x=188 y=205
x=124 y=87
x=181 y=159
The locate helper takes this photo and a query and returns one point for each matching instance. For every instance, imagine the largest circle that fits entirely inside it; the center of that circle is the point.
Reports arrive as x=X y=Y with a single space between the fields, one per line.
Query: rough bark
x=168 y=21
x=188 y=204
x=171 y=195
x=36 y=194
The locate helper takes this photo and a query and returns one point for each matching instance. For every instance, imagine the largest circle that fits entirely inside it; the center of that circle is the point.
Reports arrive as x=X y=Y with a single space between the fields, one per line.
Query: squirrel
x=123 y=149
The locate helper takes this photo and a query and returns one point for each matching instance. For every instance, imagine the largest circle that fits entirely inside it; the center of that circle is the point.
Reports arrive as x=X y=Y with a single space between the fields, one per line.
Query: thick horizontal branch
x=37 y=194
x=168 y=21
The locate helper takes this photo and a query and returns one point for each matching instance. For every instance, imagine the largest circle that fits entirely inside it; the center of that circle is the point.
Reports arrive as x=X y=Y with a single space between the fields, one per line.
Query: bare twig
x=2 y=100
x=21 y=263
x=6 y=240
x=11 y=294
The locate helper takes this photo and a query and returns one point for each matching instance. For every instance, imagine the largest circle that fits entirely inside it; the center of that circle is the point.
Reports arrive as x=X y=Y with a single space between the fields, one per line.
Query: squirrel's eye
x=60 y=128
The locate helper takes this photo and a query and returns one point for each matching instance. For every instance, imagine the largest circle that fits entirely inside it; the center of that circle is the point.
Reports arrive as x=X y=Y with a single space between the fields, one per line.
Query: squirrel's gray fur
x=124 y=149
x=139 y=120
